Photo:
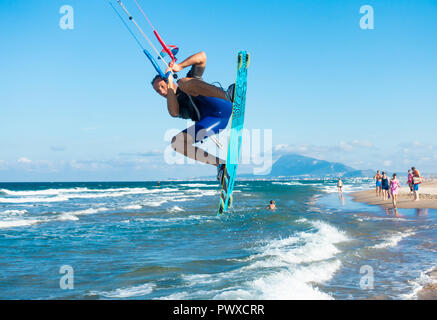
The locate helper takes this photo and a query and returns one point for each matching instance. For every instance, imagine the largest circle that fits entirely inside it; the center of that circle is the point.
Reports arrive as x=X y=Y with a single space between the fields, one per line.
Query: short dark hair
x=156 y=77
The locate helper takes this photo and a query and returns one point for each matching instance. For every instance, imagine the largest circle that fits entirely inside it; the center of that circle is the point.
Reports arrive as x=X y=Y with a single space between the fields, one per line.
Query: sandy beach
x=428 y=197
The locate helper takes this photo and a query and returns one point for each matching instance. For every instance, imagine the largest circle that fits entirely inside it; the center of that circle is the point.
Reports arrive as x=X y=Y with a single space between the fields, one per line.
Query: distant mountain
x=295 y=165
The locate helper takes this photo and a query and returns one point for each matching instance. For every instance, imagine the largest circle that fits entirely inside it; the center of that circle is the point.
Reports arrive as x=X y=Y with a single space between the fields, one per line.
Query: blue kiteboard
x=235 y=138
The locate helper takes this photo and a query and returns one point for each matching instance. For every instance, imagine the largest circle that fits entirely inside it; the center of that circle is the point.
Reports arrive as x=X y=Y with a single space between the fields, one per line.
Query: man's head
x=159 y=85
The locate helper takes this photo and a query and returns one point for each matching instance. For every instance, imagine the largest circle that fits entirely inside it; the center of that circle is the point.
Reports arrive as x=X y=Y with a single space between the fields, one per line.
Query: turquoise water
x=126 y=240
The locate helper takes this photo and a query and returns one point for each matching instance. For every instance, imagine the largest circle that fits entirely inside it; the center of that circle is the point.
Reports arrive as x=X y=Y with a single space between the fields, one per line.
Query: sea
x=150 y=240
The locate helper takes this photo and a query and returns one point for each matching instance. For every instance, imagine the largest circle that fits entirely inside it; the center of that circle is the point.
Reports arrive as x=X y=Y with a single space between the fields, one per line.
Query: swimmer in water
x=271 y=206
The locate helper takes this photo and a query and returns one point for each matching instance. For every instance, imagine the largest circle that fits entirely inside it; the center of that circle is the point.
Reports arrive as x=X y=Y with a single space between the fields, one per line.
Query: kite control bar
x=166 y=49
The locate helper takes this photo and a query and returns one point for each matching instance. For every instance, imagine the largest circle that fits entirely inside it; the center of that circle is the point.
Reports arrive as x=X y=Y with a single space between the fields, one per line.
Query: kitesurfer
x=192 y=98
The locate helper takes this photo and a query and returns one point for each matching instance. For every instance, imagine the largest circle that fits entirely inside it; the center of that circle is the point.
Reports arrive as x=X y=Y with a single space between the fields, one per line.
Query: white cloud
x=346 y=146
x=24 y=160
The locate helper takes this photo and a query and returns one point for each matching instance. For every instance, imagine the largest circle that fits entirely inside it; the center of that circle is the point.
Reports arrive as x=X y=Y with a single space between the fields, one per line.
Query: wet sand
x=427 y=195
x=429 y=291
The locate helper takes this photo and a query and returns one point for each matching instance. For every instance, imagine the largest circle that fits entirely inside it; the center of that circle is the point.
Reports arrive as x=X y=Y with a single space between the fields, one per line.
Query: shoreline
x=428 y=200
x=427 y=196
x=429 y=291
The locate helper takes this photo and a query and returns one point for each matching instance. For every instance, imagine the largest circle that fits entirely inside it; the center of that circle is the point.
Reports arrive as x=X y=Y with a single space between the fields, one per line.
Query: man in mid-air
x=192 y=98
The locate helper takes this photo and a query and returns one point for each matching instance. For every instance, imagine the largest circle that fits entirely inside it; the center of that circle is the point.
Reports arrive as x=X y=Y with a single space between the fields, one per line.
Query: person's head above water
x=159 y=85
x=272 y=202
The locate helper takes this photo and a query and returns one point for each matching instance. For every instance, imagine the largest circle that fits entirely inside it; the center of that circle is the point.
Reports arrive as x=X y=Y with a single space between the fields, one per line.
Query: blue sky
x=77 y=104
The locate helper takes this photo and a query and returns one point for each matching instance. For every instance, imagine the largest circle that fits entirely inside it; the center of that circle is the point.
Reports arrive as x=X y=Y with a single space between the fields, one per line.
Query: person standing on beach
x=340 y=185
x=417 y=180
x=410 y=180
x=385 y=186
x=394 y=189
x=378 y=178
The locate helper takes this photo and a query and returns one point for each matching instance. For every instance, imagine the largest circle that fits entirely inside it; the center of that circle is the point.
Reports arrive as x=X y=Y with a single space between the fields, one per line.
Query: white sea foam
x=154 y=203
x=176 y=296
x=17 y=223
x=132 y=207
x=287 y=284
x=33 y=199
x=393 y=240
x=305 y=247
x=200 y=279
x=168 y=221
x=59 y=195
x=287 y=268
x=175 y=209
x=89 y=211
x=202 y=193
x=67 y=216
x=13 y=212
x=136 y=291
x=347 y=188
x=197 y=185
x=73 y=215
x=289 y=183
x=373 y=218
x=419 y=283
x=45 y=192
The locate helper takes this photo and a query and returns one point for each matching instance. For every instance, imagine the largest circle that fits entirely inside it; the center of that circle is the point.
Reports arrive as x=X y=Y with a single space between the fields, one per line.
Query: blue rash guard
x=209 y=114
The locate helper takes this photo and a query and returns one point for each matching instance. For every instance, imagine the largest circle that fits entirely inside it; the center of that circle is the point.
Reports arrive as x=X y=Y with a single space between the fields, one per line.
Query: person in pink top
x=394 y=189
x=410 y=180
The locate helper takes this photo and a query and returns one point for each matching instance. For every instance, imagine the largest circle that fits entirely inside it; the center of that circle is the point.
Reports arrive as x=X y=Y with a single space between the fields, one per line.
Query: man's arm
x=172 y=101
x=198 y=59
